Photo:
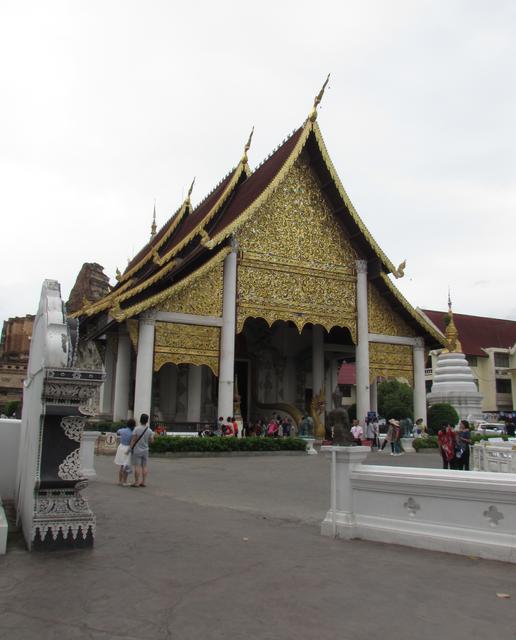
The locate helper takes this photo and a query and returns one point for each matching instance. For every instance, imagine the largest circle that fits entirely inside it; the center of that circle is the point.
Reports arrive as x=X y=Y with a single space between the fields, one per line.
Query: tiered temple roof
x=192 y=237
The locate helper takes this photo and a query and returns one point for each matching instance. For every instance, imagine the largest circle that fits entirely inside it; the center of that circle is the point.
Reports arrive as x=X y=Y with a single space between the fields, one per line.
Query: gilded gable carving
x=202 y=296
x=382 y=317
x=186 y=344
x=296 y=263
x=391 y=361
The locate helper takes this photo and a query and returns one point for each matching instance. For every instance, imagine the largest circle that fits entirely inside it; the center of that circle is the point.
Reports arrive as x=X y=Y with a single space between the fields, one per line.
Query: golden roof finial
x=318 y=98
x=453 y=344
x=247 y=147
x=153 y=225
x=190 y=190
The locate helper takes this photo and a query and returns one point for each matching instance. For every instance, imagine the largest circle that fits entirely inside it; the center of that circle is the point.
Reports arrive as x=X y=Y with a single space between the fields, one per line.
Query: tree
x=441 y=413
x=395 y=400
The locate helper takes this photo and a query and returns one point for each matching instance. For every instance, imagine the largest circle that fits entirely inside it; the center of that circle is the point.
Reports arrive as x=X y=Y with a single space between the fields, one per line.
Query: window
x=346 y=390
x=472 y=361
x=503 y=385
x=501 y=359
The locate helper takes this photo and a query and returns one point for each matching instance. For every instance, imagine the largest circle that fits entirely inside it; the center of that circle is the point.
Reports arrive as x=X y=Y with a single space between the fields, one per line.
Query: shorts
x=139 y=459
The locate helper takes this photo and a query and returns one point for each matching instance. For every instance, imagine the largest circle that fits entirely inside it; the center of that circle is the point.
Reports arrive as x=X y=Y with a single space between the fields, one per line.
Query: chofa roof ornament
x=313 y=113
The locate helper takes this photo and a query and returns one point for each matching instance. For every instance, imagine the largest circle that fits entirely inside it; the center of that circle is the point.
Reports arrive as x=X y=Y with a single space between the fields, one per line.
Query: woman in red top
x=446 y=442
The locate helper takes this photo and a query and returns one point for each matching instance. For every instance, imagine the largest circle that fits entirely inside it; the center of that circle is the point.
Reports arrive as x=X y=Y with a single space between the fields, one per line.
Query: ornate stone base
x=62 y=520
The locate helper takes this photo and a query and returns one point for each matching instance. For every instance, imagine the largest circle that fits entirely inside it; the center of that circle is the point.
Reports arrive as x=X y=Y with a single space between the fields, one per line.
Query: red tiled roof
x=347 y=373
x=476 y=332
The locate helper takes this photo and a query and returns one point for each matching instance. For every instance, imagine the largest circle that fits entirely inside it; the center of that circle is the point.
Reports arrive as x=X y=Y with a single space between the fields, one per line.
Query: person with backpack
x=142 y=436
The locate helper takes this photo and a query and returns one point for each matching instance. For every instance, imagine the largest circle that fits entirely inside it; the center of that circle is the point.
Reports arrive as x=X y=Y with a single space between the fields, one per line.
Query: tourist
x=419 y=428
x=142 y=435
x=446 y=444
x=232 y=427
x=396 y=439
x=287 y=427
x=388 y=438
x=463 y=437
x=219 y=427
x=272 y=428
x=357 y=432
x=369 y=431
x=123 y=453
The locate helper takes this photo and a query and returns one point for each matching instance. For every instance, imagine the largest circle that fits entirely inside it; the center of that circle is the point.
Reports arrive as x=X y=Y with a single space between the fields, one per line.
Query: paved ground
x=230 y=548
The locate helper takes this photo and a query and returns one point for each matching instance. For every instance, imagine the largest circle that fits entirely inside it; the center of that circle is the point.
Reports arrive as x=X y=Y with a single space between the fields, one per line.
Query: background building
x=14 y=356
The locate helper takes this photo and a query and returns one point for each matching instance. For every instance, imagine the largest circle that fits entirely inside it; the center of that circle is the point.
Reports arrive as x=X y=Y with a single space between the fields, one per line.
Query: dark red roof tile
x=476 y=332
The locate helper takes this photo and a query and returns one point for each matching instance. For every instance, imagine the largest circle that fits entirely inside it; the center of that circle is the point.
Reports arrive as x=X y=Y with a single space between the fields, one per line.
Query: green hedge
x=164 y=444
x=431 y=441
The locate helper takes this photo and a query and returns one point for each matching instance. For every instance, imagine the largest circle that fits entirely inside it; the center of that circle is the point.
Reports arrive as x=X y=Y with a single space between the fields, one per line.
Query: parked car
x=492 y=428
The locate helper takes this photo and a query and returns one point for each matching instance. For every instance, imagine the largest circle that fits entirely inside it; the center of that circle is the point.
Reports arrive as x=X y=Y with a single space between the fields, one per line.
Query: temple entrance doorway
x=286 y=369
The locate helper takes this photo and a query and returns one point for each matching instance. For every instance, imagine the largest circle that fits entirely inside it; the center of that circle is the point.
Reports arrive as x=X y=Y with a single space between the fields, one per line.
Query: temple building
x=258 y=293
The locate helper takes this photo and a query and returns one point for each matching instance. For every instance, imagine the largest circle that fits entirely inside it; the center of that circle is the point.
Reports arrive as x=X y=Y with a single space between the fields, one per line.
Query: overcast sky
x=109 y=105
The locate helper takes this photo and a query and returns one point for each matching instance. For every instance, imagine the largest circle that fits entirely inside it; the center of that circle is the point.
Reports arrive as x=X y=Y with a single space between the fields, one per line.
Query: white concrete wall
x=463 y=512
x=10 y=430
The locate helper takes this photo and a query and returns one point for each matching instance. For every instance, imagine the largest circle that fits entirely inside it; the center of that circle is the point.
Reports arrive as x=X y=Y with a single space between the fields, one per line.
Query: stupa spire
x=452 y=335
x=313 y=113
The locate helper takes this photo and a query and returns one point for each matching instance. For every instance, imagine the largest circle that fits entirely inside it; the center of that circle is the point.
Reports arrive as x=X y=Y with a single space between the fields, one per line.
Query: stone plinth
x=88 y=441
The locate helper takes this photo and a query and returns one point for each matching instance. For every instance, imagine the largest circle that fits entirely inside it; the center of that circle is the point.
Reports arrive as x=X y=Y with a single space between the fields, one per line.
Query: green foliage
x=12 y=408
x=105 y=426
x=425 y=443
x=395 y=400
x=439 y=413
x=164 y=444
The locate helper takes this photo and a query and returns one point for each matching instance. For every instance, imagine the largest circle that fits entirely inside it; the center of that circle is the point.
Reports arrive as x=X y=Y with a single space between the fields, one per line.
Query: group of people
x=454 y=445
x=275 y=427
x=132 y=454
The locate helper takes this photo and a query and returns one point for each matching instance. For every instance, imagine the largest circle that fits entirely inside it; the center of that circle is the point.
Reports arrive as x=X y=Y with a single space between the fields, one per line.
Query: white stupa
x=453 y=380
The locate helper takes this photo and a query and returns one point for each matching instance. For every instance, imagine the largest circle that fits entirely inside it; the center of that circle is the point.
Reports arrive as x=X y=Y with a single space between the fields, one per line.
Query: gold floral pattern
x=382 y=317
x=391 y=361
x=296 y=264
x=186 y=344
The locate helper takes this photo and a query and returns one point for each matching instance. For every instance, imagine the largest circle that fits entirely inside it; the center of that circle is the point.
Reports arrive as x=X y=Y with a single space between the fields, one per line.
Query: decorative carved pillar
x=418 y=354
x=227 y=337
x=144 y=369
x=194 y=394
x=362 y=350
x=122 y=375
x=318 y=373
x=106 y=406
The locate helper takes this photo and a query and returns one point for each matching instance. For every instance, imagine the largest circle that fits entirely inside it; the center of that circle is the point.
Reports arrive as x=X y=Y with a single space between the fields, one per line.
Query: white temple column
x=418 y=354
x=373 y=395
x=362 y=350
x=193 y=412
x=106 y=405
x=144 y=370
x=318 y=362
x=122 y=375
x=227 y=337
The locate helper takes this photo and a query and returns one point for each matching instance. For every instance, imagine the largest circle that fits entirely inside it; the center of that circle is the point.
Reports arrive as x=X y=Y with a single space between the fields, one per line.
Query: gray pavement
x=230 y=548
